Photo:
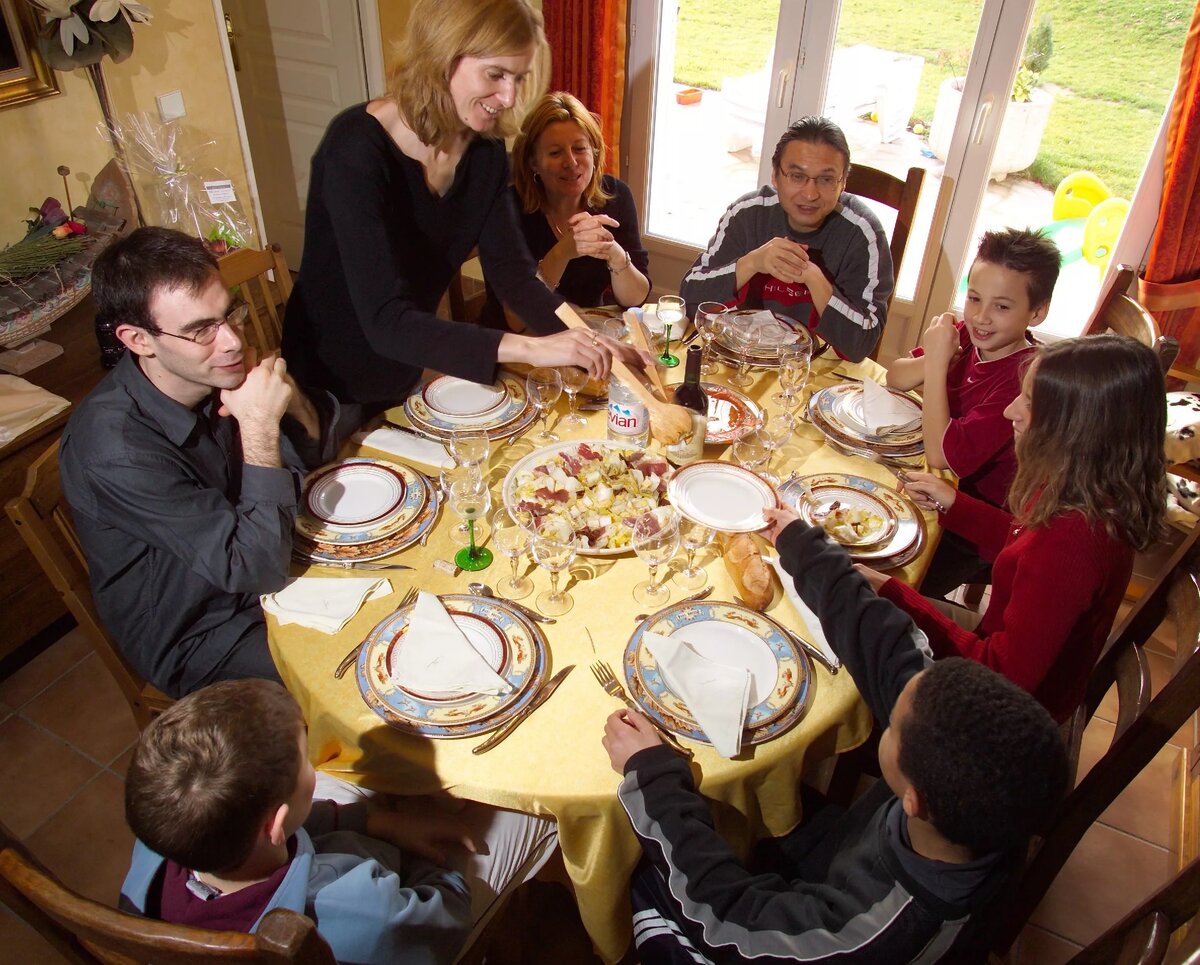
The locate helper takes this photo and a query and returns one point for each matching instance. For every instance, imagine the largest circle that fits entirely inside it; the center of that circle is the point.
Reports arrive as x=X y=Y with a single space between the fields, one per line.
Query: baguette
x=749 y=572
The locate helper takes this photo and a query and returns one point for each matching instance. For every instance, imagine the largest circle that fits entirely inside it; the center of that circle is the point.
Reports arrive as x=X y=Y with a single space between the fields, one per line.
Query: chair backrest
x=247 y=268
x=86 y=932
x=42 y=518
x=1118 y=312
x=903 y=195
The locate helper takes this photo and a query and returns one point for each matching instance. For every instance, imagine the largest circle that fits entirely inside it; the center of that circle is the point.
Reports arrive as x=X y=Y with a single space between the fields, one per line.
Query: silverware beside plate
x=694 y=598
x=539 y=698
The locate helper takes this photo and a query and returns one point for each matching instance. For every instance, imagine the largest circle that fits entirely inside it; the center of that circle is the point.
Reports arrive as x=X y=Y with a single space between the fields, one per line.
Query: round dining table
x=554 y=764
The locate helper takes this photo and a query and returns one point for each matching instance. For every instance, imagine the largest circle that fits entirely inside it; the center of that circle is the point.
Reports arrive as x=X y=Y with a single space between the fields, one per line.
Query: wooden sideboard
x=28 y=604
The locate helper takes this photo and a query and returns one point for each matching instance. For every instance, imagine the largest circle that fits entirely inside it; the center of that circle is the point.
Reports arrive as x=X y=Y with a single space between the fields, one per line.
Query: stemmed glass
x=710 y=320
x=750 y=452
x=656 y=541
x=671 y=311
x=773 y=434
x=555 y=552
x=471 y=502
x=469 y=446
x=511 y=539
x=693 y=536
x=467 y=478
x=544 y=386
x=747 y=336
x=795 y=363
x=573 y=380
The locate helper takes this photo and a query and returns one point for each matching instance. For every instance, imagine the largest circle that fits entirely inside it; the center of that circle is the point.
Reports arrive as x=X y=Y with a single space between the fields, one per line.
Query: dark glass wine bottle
x=691 y=396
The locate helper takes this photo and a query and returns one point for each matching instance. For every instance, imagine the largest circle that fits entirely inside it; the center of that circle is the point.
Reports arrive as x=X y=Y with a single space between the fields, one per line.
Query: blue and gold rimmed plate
x=788 y=332
x=360 y=501
x=511 y=418
x=837 y=412
x=321 y=552
x=780 y=673
x=907 y=538
x=511 y=645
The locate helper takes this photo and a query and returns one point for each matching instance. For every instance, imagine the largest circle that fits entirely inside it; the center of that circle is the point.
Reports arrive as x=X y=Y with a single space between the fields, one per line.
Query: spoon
x=482 y=589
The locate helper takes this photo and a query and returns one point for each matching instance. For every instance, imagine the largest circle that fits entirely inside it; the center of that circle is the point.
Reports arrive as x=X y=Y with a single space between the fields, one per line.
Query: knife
x=353 y=565
x=531 y=613
x=539 y=698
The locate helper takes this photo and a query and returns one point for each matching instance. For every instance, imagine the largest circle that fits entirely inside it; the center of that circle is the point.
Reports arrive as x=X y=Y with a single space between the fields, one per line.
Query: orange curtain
x=587 y=44
x=1175 y=252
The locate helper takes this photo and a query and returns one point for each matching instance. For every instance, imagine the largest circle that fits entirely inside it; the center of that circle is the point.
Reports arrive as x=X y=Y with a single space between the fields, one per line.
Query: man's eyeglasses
x=235 y=318
x=825 y=182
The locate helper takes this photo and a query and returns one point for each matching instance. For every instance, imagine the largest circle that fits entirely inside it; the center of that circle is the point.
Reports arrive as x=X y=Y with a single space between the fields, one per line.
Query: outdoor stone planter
x=1020 y=133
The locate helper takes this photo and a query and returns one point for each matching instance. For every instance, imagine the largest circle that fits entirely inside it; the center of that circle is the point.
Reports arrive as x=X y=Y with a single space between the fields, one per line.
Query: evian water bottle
x=628 y=419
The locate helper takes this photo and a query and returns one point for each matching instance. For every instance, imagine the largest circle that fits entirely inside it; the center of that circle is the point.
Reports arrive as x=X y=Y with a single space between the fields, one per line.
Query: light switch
x=170 y=106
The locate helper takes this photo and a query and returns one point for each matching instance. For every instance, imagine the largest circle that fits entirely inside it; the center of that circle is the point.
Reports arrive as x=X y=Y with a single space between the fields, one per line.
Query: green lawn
x=1113 y=67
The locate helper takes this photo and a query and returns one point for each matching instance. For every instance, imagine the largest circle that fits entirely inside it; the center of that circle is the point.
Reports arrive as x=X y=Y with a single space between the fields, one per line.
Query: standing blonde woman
x=402 y=189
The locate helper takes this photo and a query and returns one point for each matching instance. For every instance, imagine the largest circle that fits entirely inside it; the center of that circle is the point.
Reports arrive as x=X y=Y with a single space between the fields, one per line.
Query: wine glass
x=554 y=551
x=774 y=432
x=671 y=311
x=511 y=538
x=692 y=537
x=573 y=380
x=544 y=386
x=470 y=502
x=466 y=477
x=795 y=363
x=656 y=541
x=747 y=337
x=750 y=453
x=469 y=446
x=710 y=320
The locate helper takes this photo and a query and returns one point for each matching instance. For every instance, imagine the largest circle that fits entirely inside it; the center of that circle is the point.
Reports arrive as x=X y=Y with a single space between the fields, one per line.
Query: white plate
x=734 y=646
x=721 y=495
x=356 y=494
x=455 y=398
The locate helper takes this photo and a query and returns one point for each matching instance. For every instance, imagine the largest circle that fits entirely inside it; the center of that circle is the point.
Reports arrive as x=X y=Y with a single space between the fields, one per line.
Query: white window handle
x=985 y=110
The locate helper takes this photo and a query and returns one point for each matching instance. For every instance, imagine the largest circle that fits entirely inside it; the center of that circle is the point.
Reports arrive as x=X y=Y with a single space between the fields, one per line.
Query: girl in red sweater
x=1089 y=426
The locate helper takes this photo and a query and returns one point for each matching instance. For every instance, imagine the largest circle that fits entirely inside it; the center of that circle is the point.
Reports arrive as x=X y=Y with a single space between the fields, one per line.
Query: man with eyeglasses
x=802 y=246
x=182 y=468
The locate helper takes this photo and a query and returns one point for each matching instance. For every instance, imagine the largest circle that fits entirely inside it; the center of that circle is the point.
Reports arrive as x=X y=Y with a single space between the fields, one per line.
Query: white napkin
x=437 y=658
x=717 y=694
x=770 y=333
x=884 y=412
x=23 y=405
x=815 y=635
x=321 y=603
x=406 y=446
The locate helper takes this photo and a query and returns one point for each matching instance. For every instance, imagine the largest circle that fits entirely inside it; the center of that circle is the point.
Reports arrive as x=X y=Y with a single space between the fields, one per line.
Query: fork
x=409 y=598
x=605 y=677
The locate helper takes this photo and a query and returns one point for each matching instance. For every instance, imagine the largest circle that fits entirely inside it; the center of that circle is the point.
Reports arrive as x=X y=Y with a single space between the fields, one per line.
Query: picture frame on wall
x=24 y=75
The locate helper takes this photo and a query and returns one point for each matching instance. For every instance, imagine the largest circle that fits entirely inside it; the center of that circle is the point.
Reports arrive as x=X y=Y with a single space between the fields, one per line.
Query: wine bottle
x=691 y=396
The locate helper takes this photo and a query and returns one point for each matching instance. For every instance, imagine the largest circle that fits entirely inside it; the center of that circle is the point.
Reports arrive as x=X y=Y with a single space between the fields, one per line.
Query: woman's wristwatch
x=617 y=271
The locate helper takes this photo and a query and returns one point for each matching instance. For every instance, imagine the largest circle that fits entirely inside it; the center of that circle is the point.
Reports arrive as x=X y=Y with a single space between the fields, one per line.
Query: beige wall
x=180 y=50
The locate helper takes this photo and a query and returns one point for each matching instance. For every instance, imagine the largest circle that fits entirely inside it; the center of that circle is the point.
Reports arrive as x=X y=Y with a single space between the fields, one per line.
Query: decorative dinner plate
x=780 y=672
x=322 y=552
x=731 y=414
x=514 y=416
x=721 y=495
x=828 y=501
x=360 y=486
x=463 y=401
x=906 y=540
x=766 y=356
x=514 y=648
x=839 y=408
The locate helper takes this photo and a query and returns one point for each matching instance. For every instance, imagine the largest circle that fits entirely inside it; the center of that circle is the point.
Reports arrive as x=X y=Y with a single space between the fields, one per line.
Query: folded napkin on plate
x=406 y=446
x=816 y=635
x=885 y=412
x=436 y=658
x=23 y=405
x=717 y=694
x=321 y=603
x=770 y=333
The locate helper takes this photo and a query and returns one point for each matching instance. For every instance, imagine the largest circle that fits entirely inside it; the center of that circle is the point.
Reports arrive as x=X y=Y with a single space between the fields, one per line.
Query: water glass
x=750 y=453
x=710 y=321
x=465 y=477
x=469 y=446
x=656 y=541
x=573 y=380
x=692 y=537
x=470 y=503
x=747 y=337
x=774 y=433
x=554 y=552
x=544 y=386
x=671 y=311
x=511 y=539
x=795 y=364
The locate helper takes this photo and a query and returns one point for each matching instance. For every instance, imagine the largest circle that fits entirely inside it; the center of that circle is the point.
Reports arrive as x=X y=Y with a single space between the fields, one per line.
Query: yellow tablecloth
x=554 y=763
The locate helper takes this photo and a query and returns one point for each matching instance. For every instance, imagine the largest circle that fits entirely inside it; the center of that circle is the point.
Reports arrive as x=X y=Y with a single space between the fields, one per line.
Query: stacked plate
x=837 y=411
x=776 y=331
x=780 y=672
x=510 y=643
x=731 y=414
x=722 y=495
x=444 y=403
x=363 y=509
x=896 y=534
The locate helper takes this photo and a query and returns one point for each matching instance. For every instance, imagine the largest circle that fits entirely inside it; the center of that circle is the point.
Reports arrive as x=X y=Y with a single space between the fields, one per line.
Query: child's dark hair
x=986 y=757
x=1030 y=253
x=205 y=774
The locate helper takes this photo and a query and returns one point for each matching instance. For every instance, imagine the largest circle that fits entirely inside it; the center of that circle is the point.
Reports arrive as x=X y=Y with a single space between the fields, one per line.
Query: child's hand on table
x=626 y=733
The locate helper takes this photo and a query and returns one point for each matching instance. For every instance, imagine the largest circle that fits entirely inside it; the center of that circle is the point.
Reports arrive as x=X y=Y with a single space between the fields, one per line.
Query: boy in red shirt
x=969 y=372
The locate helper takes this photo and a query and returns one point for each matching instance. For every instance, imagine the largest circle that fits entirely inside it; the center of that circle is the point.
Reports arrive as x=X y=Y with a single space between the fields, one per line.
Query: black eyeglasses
x=825 y=182
x=235 y=318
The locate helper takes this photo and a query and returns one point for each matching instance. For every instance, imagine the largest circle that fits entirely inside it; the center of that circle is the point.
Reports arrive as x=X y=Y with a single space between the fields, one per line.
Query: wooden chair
x=1118 y=312
x=247 y=269
x=42 y=518
x=86 y=932
x=876 y=185
x=1143 y=936
x=1144 y=725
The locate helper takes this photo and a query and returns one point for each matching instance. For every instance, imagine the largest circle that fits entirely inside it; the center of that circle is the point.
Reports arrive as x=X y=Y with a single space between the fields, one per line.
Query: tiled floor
x=66 y=734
